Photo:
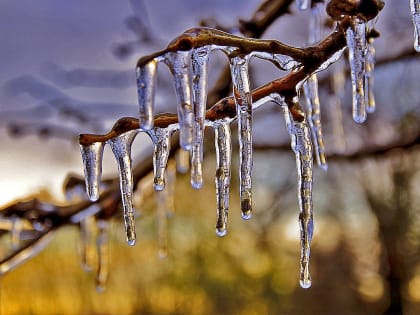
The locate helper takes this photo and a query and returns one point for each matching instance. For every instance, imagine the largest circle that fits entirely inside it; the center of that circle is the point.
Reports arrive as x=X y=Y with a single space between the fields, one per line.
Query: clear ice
x=243 y=100
x=162 y=147
x=182 y=161
x=146 y=84
x=222 y=139
x=310 y=88
x=302 y=147
x=199 y=57
x=415 y=11
x=92 y=162
x=102 y=247
x=15 y=232
x=121 y=147
x=314 y=119
x=179 y=64
x=356 y=42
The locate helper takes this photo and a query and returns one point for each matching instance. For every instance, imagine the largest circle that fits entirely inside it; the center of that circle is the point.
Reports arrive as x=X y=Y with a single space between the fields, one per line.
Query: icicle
x=337 y=91
x=15 y=232
x=243 y=100
x=310 y=88
x=303 y=4
x=370 y=64
x=165 y=206
x=415 y=11
x=121 y=147
x=315 y=24
x=179 y=62
x=102 y=246
x=200 y=59
x=170 y=187
x=314 y=119
x=182 y=161
x=356 y=42
x=222 y=139
x=146 y=83
x=92 y=161
x=162 y=148
x=302 y=147
x=87 y=233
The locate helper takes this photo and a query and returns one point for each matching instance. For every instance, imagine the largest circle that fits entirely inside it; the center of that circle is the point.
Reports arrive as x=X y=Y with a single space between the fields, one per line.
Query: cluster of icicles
x=189 y=70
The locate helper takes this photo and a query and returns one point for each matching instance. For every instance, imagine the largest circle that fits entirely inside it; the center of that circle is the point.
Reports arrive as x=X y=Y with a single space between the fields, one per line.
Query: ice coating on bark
x=161 y=151
x=370 y=65
x=146 y=84
x=222 y=139
x=121 y=147
x=313 y=111
x=284 y=62
x=87 y=239
x=243 y=100
x=356 y=42
x=303 y=4
x=9 y=263
x=179 y=64
x=199 y=57
x=302 y=147
x=92 y=162
x=102 y=247
x=415 y=11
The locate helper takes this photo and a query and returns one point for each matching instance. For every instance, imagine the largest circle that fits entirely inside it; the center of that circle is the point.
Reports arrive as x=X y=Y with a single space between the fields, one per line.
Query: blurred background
x=68 y=68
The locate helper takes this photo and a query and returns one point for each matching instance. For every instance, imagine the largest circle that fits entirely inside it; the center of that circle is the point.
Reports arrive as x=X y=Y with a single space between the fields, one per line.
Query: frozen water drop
x=313 y=106
x=243 y=100
x=199 y=92
x=121 y=147
x=179 y=64
x=356 y=42
x=305 y=283
x=415 y=11
x=223 y=144
x=92 y=162
x=146 y=84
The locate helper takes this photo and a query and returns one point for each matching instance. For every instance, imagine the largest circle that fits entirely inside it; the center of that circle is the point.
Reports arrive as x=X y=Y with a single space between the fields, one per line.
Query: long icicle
x=146 y=85
x=302 y=147
x=92 y=162
x=222 y=139
x=415 y=11
x=121 y=147
x=179 y=64
x=356 y=42
x=102 y=247
x=310 y=88
x=243 y=100
x=200 y=59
